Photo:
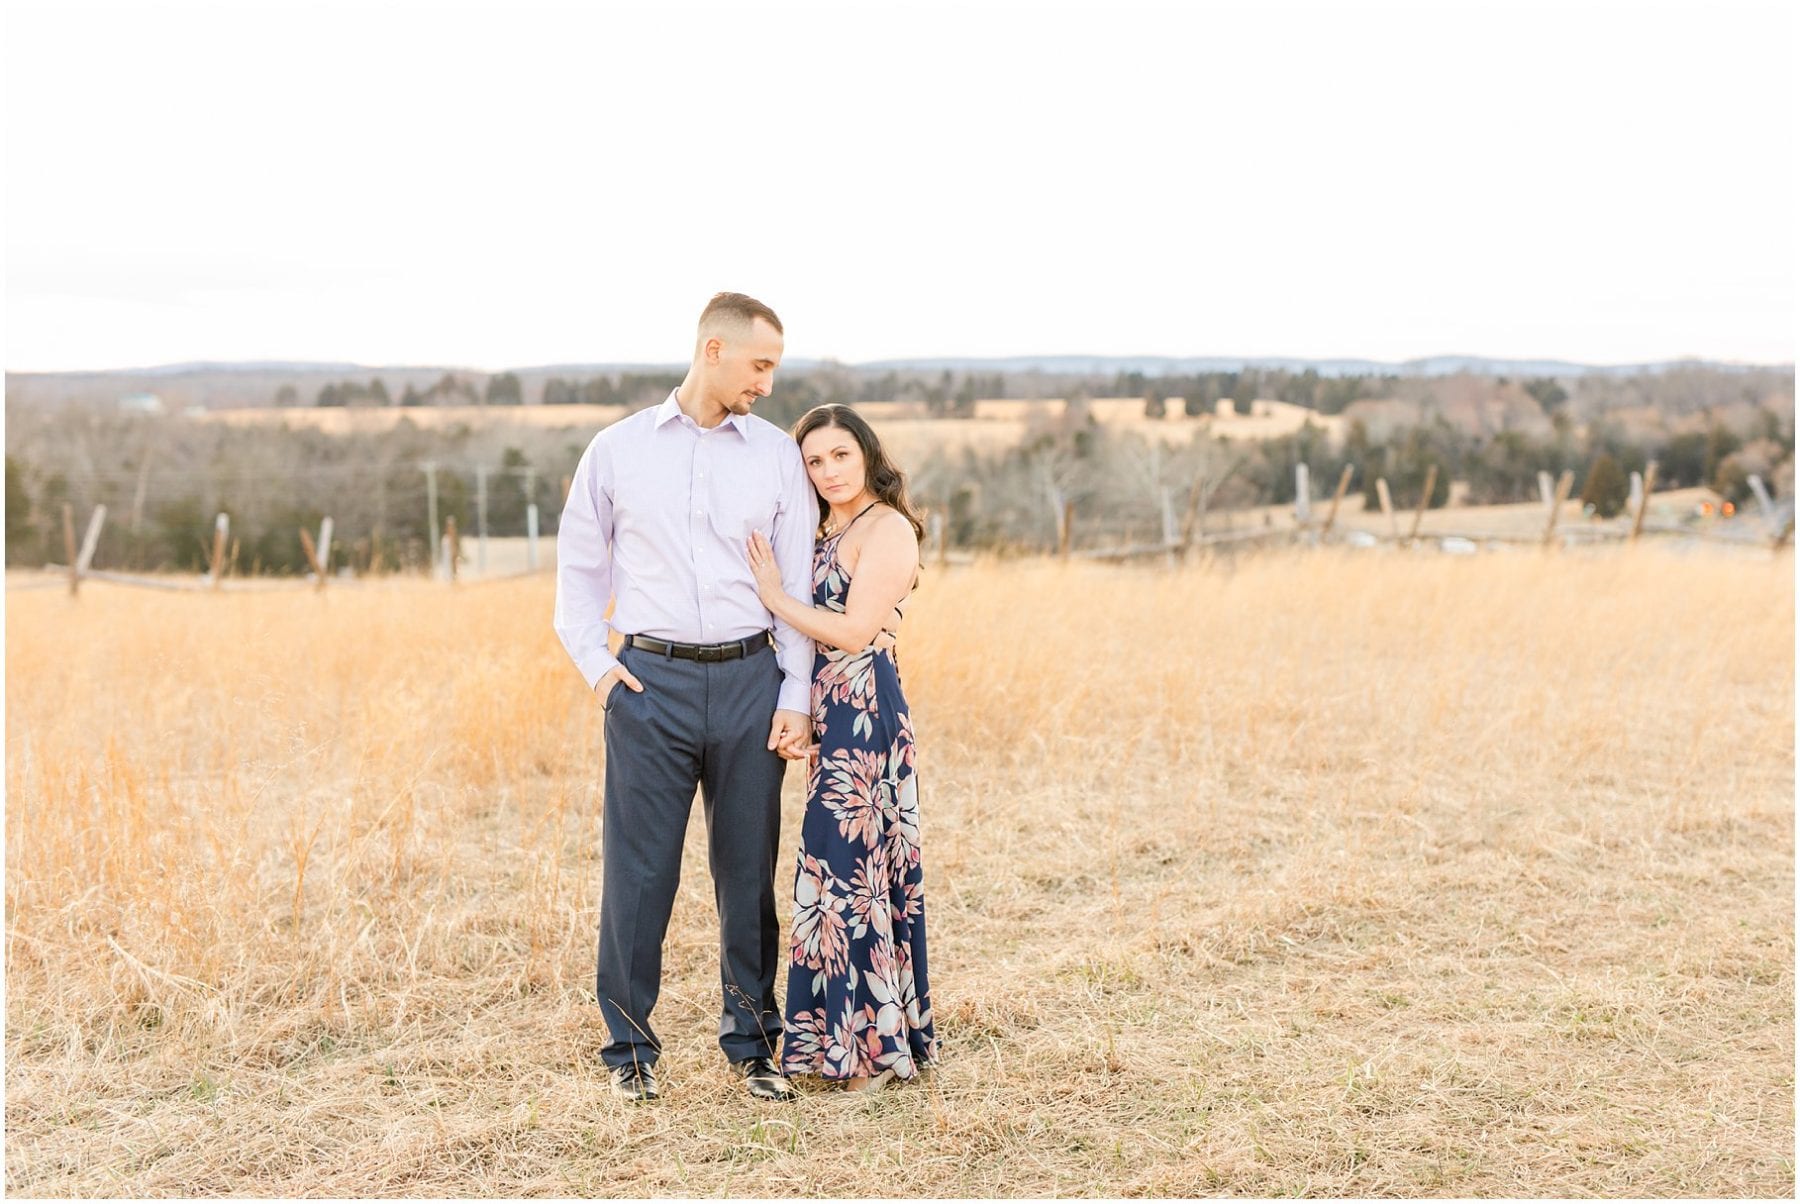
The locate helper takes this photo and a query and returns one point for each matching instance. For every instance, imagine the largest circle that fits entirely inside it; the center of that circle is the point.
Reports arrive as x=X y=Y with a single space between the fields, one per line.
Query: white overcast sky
x=513 y=184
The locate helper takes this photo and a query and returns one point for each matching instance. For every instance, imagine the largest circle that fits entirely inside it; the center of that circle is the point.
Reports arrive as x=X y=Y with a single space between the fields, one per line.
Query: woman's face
x=834 y=461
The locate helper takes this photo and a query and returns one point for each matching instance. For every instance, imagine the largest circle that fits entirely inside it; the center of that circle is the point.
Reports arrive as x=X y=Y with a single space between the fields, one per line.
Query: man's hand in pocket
x=603 y=689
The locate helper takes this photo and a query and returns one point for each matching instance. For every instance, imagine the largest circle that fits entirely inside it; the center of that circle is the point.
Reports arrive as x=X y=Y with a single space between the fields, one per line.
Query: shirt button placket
x=695 y=487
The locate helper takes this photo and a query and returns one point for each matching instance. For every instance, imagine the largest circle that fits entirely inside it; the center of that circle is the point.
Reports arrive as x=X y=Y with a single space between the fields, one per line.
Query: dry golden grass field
x=1300 y=874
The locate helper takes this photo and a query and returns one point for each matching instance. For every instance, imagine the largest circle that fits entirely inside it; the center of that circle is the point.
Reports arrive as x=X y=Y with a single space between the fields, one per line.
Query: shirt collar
x=670 y=410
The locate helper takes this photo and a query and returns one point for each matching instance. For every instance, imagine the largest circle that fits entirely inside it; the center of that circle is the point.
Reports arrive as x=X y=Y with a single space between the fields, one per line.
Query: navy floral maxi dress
x=857 y=999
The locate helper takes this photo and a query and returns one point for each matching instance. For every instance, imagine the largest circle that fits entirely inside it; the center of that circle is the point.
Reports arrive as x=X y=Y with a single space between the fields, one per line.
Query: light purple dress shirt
x=658 y=514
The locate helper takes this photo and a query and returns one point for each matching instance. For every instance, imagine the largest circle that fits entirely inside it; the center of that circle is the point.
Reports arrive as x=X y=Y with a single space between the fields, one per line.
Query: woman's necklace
x=836 y=531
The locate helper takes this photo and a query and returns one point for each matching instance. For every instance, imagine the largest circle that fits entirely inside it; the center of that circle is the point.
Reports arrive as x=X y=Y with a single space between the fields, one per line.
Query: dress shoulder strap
x=840 y=531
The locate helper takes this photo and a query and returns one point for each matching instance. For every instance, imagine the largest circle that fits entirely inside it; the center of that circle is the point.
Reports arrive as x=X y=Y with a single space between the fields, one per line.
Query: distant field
x=1303 y=873
x=904 y=426
x=349 y=420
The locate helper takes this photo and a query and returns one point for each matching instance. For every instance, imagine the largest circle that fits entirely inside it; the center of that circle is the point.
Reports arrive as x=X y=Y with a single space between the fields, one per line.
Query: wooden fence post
x=319 y=555
x=1387 y=506
x=1190 y=520
x=91 y=541
x=310 y=551
x=69 y=547
x=1778 y=535
x=1336 y=498
x=452 y=546
x=1637 y=520
x=1764 y=503
x=1412 y=536
x=481 y=519
x=1193 y=524
x=1302 y=495
x=324 y=549
x=531 y=520
x=431 y=514
x=216 y=562
x=1068 y=528
x=78 y=563
x=1563 y=484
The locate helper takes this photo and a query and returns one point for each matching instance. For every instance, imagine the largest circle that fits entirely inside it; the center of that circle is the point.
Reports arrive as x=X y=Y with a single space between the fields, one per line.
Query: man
x=658 y=516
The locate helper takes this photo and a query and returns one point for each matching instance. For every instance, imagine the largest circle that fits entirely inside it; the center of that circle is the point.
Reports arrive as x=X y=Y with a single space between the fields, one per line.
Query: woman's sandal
x=874 y=1083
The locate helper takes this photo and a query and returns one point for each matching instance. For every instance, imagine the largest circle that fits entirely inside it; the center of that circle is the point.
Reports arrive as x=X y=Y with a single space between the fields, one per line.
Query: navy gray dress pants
x=704 y=724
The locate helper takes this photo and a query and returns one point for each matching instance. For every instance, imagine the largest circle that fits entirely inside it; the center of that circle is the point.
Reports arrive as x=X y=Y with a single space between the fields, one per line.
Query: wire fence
x=1104 y=538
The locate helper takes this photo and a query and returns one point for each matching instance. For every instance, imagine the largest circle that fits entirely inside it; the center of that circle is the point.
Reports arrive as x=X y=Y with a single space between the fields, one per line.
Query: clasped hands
x=790 y=734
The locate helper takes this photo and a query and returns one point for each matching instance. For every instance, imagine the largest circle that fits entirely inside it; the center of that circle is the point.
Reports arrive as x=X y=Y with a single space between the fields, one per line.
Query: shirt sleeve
x=584 y=573
x=796 y=520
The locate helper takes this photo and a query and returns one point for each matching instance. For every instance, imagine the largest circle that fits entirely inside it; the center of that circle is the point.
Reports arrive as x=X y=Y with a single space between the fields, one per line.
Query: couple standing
x=697 y=521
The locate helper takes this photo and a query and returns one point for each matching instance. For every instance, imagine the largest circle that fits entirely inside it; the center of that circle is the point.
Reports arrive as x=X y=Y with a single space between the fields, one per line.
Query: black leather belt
x=730 y=651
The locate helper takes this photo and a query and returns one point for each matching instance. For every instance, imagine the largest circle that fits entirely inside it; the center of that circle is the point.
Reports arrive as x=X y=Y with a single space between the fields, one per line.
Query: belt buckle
x=708 y=653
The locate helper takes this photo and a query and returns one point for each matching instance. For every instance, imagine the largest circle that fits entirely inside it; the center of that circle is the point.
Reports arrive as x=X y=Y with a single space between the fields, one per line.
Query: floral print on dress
x=857 y=996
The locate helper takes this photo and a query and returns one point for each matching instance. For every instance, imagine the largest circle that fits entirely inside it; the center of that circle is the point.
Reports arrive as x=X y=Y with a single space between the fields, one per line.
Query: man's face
x=747 y=367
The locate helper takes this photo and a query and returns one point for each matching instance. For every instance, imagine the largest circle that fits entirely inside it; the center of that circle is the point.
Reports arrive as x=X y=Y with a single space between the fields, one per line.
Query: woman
x=858 y=1006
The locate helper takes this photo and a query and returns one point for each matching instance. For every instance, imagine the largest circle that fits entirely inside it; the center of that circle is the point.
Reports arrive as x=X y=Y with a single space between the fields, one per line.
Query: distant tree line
x=1504 y=467
x=164 y=479
x=1117 y=478
x=626 y=389
x=163 y=482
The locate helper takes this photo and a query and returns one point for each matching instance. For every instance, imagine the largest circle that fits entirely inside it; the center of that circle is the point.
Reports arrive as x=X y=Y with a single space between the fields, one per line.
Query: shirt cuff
x=795 y=696
x=596 y=665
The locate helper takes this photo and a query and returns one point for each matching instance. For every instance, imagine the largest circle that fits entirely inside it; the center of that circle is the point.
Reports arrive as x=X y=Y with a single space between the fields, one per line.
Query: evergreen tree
x=1548 y=393
x=1720 y=442
x=963 y=406
x=1732 y=481
x=1606 y=488
x=504 y=390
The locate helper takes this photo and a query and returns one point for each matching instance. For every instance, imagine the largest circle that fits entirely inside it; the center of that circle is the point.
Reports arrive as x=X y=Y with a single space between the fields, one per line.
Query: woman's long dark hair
x=886 y=481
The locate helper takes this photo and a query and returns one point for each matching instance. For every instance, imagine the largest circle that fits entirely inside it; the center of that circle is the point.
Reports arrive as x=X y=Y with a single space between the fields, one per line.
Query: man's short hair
x=734 y=312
